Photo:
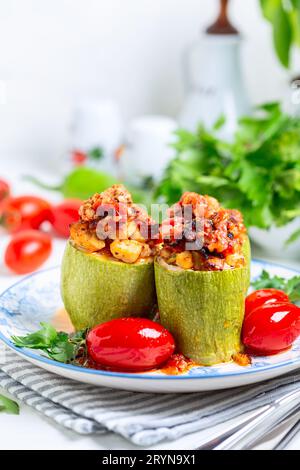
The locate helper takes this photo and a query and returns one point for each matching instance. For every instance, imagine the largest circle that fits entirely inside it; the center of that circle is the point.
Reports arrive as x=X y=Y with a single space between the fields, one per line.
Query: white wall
x=54 y=52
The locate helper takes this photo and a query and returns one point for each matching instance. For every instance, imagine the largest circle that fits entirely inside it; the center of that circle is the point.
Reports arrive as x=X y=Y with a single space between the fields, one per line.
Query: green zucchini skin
x=95 y=290
x=204 y=310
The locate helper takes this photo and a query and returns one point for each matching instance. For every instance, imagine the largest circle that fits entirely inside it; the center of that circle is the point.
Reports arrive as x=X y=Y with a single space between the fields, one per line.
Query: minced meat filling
x=215 y=235
x=110 y=223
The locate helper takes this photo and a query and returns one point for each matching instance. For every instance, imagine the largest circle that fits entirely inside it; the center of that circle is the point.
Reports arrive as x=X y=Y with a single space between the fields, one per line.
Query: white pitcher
x=213 y=78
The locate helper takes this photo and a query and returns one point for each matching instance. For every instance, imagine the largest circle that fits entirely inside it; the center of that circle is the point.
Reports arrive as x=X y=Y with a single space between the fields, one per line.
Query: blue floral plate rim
x=243 y=370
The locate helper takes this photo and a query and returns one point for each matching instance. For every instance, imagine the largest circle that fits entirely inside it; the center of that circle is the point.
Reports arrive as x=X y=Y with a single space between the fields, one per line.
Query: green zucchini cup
x=96 y=288
x=204 y=310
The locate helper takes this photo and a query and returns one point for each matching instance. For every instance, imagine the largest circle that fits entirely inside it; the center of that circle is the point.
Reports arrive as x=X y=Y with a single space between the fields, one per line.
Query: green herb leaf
x=282 y=34
x=269 y=8
x=219 y=123
x=62 y=351
x=59 y=346
x=295 y=236
x=8 y=406
x=265 y=281
x=290 y=286
x=258 y=173
x=41 y=339
x=284 y=16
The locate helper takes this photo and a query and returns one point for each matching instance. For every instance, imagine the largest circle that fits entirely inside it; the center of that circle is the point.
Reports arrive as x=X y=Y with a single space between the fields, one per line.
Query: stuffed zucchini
x=201 y=290
x=107 y=269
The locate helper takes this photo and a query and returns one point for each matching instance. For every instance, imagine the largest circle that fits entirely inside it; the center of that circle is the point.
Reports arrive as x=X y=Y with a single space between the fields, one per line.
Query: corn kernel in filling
x=111 y=224
x=211 y=238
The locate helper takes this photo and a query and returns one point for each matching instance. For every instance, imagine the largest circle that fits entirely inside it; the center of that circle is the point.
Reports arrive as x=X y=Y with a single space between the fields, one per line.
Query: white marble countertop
x=31 y=430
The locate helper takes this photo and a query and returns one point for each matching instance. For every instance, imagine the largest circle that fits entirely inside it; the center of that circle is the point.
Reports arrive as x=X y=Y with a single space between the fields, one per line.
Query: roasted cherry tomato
x=33 y=211
x=130 y=344
x=4 y=190
x=271 y=328
x=27 y=251
x=264 y=296
x=64 y=214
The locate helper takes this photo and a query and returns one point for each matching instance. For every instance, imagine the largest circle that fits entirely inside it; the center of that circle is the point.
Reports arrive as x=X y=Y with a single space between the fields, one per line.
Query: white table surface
x=30 y=430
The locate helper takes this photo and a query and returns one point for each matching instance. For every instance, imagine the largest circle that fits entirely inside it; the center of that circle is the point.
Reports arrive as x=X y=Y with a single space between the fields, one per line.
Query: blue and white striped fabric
x=144 y=419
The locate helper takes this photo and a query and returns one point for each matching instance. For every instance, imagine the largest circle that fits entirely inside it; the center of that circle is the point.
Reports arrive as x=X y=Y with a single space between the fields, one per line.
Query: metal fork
x=289 y=436
x=256 y=425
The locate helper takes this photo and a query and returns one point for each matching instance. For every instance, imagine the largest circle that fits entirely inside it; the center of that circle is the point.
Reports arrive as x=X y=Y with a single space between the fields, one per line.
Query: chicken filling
x=210 y=238
x=111 y=224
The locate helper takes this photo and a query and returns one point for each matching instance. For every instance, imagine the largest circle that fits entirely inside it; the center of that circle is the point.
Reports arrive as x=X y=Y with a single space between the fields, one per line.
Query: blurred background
x=151 y=94
x=56 y=53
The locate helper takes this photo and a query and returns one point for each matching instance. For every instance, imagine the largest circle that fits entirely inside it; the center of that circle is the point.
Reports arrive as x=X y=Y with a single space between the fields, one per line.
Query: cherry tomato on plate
x=63 y=215
x=130 y=344
x=271 y=328
x=33 y=211
x=4 y=190
x=264 y=296
x=27 y=251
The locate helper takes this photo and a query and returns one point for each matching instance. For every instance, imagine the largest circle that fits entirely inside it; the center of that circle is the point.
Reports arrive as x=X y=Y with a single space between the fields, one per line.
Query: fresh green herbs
x=258 y=173
x=57 y=345
x=284 y=16
x=290 y=286
x=8 y=406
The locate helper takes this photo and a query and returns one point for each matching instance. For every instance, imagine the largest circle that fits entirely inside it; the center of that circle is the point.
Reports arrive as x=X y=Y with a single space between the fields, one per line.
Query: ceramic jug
x=213 y=78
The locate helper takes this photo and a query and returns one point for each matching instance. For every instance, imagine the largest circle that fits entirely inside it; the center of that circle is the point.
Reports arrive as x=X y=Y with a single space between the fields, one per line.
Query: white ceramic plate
x=37 y=297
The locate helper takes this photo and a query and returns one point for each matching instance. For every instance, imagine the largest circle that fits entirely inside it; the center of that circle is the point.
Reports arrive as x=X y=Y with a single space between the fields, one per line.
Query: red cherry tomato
x=27 y=251
x=64 y=214
x=10 y=218
x=130 y=344
x=271 y=328
x=264 y=296
x=78 y=157
x=4 y=190
x=33 y=210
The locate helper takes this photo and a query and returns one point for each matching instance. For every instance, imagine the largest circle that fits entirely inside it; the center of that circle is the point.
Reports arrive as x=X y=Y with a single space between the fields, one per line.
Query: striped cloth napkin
x=143 y=418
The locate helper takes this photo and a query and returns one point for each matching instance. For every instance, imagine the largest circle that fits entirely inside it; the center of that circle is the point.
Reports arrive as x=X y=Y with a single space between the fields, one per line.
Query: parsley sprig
x=257 y=173
x=8 y=406
x=59 y=346
x=290 y=286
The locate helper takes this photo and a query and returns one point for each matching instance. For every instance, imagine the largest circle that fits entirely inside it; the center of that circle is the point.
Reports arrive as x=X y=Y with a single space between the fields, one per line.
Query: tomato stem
x=41 y=184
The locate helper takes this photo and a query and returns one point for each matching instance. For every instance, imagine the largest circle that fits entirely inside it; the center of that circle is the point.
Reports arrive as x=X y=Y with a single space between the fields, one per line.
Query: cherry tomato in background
x=78 y=157
x=27 y=251
x=130 y=344
x=271 y=328
x=63 y=215
x=264 y=296
x=4 y=190
x=10 y=218
x=32 y=209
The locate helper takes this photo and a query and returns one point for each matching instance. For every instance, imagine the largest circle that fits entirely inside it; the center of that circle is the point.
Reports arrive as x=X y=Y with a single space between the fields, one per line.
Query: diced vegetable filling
x=201 y=235
x=111 y=224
